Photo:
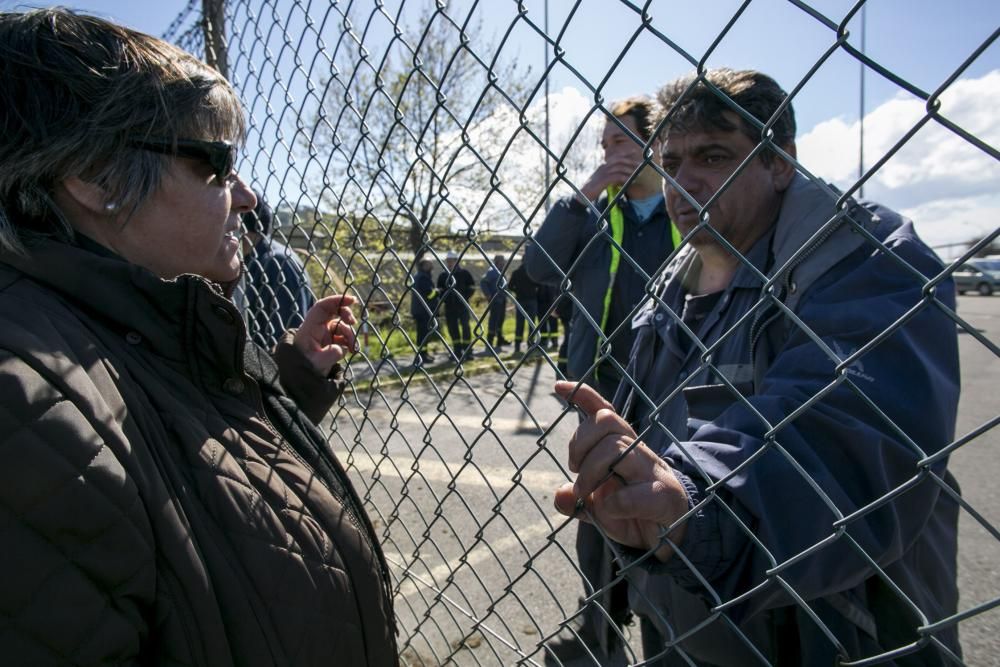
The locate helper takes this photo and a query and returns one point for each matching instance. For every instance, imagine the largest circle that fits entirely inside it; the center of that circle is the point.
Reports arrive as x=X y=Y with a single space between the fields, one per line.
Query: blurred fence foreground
x=386 y=132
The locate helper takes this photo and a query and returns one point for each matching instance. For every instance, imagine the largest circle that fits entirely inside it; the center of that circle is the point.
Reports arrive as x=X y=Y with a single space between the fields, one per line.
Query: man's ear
x=89 y=196
x=782 y=169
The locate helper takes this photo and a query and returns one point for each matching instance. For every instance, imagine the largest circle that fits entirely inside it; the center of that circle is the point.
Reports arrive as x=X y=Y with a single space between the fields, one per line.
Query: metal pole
x=547 y=144
x=213 y=14
x=861 y=112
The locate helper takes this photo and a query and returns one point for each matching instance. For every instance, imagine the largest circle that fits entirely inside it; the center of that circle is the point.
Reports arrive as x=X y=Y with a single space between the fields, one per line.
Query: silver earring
x=111 y=206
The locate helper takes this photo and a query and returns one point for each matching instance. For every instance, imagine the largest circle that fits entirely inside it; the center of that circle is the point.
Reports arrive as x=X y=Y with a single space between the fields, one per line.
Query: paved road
x=461 y=479
x=468 y=480
x=977 y=467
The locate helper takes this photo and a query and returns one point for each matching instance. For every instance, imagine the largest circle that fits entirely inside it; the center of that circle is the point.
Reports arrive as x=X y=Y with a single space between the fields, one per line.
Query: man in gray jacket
x=608 y=239
x=795 y=372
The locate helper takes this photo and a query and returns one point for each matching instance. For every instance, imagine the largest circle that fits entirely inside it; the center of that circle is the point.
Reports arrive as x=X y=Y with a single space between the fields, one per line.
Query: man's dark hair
x=689 y=103
x=640 y=109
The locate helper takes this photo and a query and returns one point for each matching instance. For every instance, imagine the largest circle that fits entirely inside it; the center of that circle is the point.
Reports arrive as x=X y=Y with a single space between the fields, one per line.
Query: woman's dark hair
x=75 y=90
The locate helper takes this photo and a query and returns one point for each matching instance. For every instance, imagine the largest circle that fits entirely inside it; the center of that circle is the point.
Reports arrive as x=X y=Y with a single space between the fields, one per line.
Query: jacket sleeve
x=77 y=560
x=559 y=240
x=864 y=433
x=468 y=286
x=313 y=393
x=487 y=284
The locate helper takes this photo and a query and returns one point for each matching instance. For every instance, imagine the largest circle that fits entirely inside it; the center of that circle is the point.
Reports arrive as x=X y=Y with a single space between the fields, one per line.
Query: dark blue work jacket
x=823 y=380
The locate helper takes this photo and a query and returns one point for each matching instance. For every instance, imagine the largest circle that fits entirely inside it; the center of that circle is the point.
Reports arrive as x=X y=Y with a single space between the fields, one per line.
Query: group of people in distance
x=452 y=295
x=761 y=392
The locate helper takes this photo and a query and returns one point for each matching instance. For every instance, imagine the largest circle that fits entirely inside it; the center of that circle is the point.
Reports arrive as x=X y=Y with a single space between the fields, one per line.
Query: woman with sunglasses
x=165 y=496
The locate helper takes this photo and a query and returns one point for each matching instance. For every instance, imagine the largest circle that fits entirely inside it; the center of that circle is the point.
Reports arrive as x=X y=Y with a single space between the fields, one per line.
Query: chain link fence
x=388 y=133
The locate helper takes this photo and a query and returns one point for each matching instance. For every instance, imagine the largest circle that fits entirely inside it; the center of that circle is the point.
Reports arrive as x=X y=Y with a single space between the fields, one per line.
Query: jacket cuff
x=701 y=545
x=313 y=393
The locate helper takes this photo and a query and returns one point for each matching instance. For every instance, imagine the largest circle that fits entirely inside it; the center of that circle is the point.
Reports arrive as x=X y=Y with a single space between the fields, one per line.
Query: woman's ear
x=90 y=197
x=87 y=209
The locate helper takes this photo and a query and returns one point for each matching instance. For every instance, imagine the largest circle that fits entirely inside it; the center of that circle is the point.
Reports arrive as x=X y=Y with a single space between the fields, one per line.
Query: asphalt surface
x=459 y=479
x=977 y=467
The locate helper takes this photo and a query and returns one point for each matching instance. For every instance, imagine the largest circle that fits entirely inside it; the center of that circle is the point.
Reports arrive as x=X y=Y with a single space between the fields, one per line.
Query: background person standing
x=492 y=285
x=456 y=286
x=423 y=303
x=548 y=323
x=526 y=294
x=276 y=289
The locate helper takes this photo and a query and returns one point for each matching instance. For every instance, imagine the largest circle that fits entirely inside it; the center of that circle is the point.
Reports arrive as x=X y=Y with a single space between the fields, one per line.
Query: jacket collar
x=805 y=210
x=812 y=234
x=805 y=207
x=186 y=320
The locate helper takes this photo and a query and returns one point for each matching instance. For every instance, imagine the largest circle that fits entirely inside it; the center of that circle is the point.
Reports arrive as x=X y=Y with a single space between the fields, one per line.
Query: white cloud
x=944 y=182
x=521 y=174
x=948 y=224
x=830 y=150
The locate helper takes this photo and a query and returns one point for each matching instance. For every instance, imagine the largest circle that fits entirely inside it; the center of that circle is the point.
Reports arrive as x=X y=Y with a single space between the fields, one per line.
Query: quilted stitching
x=68 y=520
x=249 y=560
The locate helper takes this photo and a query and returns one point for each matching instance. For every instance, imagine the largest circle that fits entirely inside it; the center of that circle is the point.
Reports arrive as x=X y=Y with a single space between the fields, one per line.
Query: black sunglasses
x=220 y=155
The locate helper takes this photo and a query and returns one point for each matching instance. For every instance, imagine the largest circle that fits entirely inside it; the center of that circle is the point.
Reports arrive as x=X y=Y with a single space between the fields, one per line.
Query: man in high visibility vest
x=608 y=238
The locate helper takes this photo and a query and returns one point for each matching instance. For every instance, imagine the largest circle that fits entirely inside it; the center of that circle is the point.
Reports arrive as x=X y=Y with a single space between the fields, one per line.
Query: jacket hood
x=812 y=234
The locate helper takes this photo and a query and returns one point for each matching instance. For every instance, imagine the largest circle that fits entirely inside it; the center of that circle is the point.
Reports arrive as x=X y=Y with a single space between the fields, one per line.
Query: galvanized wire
x=384 y=132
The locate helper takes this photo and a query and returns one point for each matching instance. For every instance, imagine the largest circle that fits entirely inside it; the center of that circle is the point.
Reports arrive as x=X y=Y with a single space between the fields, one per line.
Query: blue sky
x=949 y=186
x=922 y=40
x=152 y=17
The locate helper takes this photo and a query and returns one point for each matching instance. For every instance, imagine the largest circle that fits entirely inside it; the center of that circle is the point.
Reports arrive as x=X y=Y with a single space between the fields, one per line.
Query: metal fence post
x=214 y=26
